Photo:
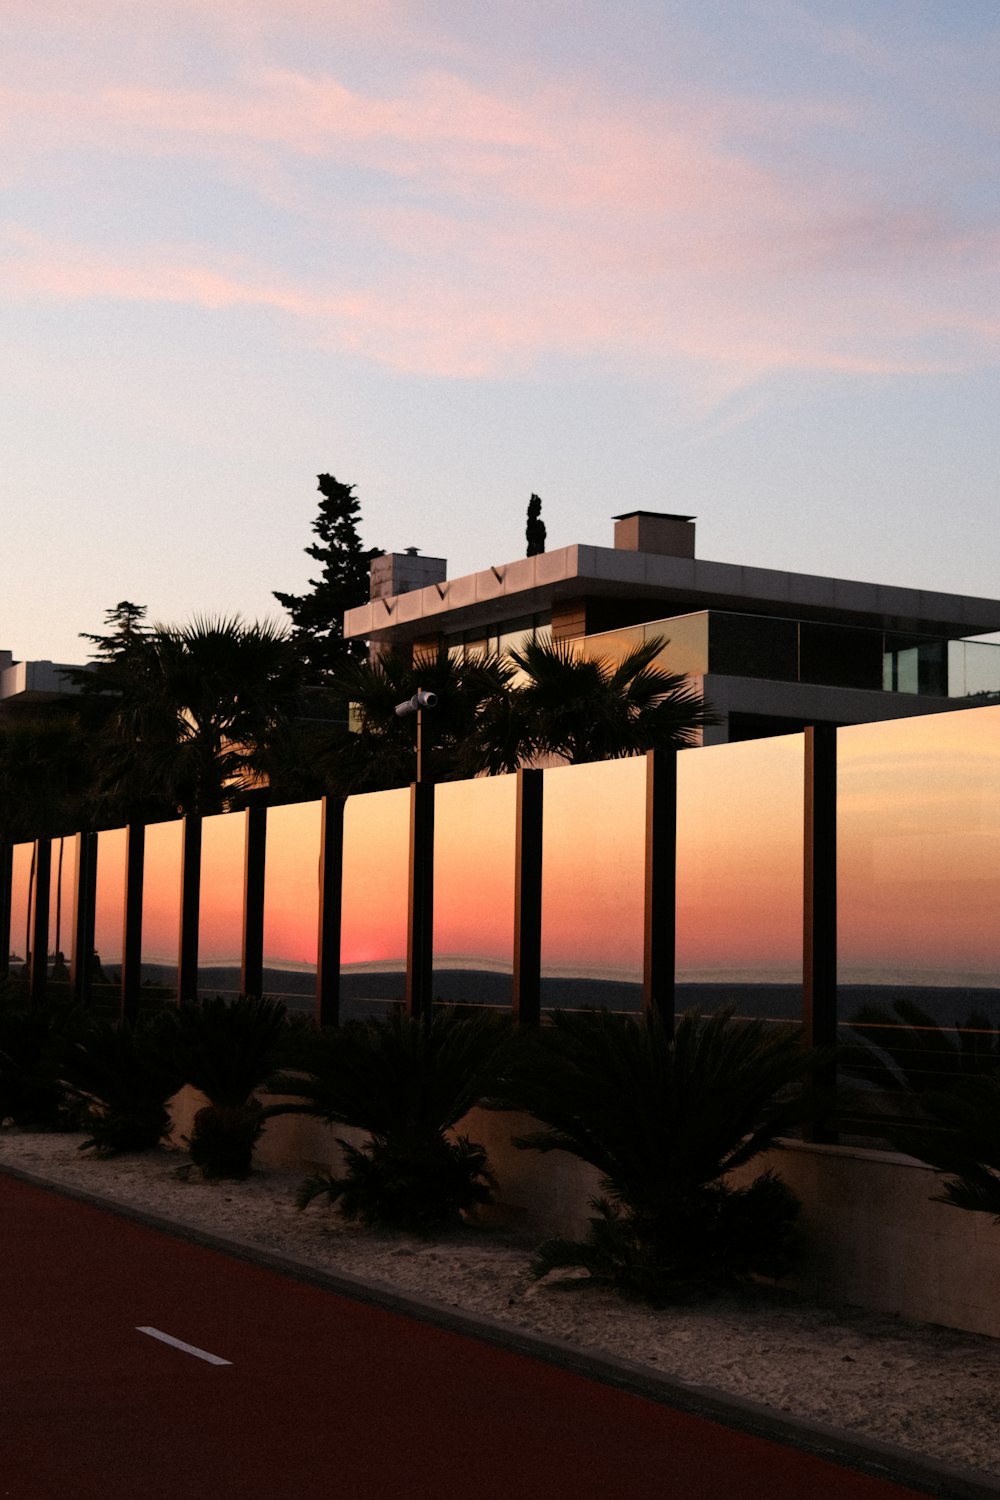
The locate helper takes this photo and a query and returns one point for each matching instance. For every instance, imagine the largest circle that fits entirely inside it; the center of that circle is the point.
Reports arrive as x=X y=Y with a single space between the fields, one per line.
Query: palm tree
x=583 y=708
x=666 y=1120
x=381 y=753
x=194 y=710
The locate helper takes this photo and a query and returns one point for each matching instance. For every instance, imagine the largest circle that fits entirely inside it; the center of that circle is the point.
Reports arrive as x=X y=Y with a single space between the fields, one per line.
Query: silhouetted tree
x=535 y=529
x=318 y=617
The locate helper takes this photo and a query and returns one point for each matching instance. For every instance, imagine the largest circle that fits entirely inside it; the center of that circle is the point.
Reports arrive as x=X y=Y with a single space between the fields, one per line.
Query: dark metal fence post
x=819 y=949
x=135 y=860
x=331 y=880
x=420 y=911
x=659 y=957
x=252 y=974
x=187 y=957
x=6 y=892
x=40 y=896
x=527 y=980
x=81 y=968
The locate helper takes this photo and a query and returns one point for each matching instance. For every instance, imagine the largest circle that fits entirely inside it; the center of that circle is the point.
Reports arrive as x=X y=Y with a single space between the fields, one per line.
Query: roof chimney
x=401 y=572
x=655 y=531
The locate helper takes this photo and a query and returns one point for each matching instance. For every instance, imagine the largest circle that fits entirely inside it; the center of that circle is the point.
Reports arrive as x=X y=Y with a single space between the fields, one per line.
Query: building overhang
x=673 y=585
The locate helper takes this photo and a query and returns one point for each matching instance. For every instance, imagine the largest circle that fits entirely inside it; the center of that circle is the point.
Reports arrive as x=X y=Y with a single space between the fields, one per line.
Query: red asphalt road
x=324 y=1396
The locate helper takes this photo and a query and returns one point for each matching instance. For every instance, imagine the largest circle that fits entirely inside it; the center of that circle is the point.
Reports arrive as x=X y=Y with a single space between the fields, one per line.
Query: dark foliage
x=318 y=617
x=123 y=1074
x=534 y=531
x=407 y=1083
x=32 y=1044
x=940 y=1089
x=229 y=1049
x=665 y=1120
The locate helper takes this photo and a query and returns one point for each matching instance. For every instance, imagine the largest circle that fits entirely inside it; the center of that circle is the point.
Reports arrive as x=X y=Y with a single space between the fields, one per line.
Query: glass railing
x=787 y=650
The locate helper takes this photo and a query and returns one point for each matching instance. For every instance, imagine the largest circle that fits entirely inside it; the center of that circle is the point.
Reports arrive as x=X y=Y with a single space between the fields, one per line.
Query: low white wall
x=873 y=1237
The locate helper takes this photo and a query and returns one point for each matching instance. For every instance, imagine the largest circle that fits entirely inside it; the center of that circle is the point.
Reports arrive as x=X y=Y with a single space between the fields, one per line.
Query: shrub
x=123 y=1074
x=407 y=1083
x=665 y=1120
x=228 y=1049
x=32 y=1041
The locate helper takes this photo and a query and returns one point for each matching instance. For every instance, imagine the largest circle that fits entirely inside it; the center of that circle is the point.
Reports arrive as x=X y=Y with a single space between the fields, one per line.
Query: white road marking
x=166 y=1338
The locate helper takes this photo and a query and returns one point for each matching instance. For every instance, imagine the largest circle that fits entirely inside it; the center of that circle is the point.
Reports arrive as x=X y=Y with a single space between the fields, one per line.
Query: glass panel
x=62 y=913
x=161 y=908
x=475 y=834
x=109 y=915
x=686 y=649
x=291 y=903
x=919 y=857
x=220 y=925
x=751 y=646
x=739 y=877
x=376 y=883
x=593 y=880
x=22 y=885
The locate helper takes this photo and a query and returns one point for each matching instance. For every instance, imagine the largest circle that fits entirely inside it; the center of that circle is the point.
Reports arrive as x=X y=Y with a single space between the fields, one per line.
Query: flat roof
x=674 y=585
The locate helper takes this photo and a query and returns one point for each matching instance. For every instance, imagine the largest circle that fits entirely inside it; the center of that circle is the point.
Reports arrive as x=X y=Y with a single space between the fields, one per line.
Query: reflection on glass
x=919 y=863
x=739 y=877
x=376 y=876
x=291 y=903
x=62 y=911
x=21 y=892
x=161 y=907
x=593 y=863
x=220 y=923
x=475 y=832
x=109 y=913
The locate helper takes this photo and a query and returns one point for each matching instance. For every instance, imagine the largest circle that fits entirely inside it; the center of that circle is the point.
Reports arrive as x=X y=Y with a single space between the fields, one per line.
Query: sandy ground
x=929 y=1389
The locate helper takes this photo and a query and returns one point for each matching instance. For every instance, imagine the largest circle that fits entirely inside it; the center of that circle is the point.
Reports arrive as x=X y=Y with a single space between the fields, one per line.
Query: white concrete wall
x=873 y=1236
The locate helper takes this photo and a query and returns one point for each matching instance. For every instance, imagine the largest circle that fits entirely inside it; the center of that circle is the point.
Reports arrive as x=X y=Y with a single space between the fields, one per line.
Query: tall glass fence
x=21 y=895
x=593 y=883
x=161 y=909
x=739 y=877
x=474 y=848
x=220 y=923
x=62 y=909
x=374 y=902
x=291 y=903
x=109 y=916
x=919 y=887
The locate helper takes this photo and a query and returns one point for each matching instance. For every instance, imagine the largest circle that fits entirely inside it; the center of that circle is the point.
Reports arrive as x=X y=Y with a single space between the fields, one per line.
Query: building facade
x=771 y=650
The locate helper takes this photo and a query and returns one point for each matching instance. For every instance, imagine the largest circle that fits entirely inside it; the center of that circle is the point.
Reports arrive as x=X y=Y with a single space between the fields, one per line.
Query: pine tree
x=318 y=617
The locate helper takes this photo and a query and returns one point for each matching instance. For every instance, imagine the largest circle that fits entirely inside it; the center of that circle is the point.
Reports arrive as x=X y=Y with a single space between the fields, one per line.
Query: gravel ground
x=925 y=1388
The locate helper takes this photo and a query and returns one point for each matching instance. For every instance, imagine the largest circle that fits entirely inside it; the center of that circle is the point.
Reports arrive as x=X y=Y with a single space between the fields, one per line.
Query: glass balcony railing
x=781 y=650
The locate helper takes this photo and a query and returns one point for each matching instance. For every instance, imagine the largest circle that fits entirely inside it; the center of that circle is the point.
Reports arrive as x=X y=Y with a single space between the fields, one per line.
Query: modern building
x=771 y=650
x=28 y=685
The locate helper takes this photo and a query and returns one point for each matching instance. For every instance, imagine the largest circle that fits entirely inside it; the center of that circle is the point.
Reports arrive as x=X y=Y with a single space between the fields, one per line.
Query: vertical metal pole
x=135 y=861
x=6 y=892
x=331 y=881
x=420 y=911
x=819 y=948
x=527 y=986
x=187 y=958
x=252 y=973
x=39 y=960
x=81 y=968
x=659 y=949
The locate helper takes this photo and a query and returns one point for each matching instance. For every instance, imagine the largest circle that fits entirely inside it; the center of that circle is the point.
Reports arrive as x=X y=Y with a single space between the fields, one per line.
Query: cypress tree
x=318 y=617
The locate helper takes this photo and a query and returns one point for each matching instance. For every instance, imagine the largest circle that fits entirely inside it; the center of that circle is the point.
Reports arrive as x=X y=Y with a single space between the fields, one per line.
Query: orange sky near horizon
x=376 y=877
x=919 y=838
x=291 y=885
x=475 y=832
x=223 y=854
x=161 y=893
x=109 y=905
x=739 y=861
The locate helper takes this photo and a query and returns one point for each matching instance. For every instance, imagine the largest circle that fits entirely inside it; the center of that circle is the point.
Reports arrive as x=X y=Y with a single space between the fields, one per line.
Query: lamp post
x=420 y=922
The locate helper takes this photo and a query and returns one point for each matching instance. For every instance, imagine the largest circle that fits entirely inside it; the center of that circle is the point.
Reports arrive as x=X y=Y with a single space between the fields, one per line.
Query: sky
x=732 y=258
